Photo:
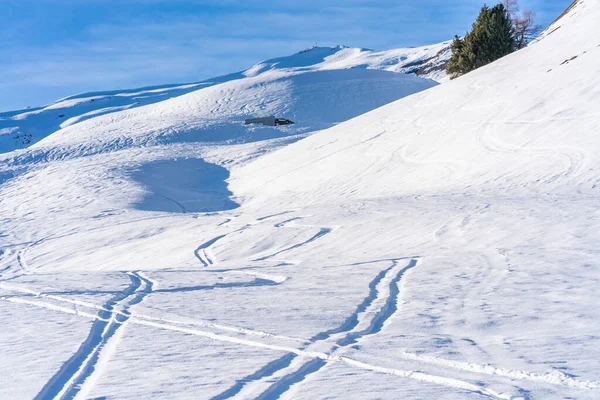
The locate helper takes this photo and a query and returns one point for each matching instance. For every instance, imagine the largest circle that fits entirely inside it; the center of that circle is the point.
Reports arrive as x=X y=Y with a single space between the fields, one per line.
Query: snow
x=404 y=60
x=444 y=245
x=20 y=129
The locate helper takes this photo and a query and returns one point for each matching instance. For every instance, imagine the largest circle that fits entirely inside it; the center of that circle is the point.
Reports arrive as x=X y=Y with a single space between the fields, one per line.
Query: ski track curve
x=273 y=215
x=385 y=312
x=284 y=362
x=202 y=253
x=322 y=232
x=317 y=360
x=451 y=168
x=575 y=157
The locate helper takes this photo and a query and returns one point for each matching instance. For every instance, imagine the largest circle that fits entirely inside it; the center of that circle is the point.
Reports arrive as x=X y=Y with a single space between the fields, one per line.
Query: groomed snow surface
x=445 y=245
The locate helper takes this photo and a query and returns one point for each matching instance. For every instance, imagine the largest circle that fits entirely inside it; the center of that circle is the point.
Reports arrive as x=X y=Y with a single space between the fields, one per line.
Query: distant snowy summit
x=426 y=62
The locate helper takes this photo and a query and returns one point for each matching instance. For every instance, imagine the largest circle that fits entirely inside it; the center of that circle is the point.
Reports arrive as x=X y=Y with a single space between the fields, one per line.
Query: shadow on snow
x=186 y=185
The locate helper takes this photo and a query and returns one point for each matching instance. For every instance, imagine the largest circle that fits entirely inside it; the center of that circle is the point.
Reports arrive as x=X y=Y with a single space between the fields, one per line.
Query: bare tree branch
x=525 y=28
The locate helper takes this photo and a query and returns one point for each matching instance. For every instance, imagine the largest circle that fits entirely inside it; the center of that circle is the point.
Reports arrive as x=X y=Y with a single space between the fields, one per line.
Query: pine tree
x=454 y=65
x=491 y=38
x=499 y=34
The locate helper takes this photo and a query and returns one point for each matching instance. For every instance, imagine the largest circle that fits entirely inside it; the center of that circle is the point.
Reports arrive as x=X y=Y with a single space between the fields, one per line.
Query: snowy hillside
x=20 y=129
x=445 y=245
x=427 y=62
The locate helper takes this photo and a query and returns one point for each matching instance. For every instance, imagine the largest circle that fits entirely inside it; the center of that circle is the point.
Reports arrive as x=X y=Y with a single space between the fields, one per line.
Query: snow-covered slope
x=314 y=100
x=527 y=123
x=427 y=62
x=442 y=246
x=22 y=128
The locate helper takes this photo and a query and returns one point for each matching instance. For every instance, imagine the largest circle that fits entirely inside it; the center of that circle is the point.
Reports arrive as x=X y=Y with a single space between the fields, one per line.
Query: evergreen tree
x=498 y=34
x=491 y=37
x=454 y=68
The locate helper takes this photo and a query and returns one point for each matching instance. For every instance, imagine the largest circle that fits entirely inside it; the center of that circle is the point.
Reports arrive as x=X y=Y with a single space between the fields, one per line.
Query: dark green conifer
x=491 y=38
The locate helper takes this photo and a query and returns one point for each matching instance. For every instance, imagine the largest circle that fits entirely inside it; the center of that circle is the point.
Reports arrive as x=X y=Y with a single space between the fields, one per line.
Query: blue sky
x=54 y=48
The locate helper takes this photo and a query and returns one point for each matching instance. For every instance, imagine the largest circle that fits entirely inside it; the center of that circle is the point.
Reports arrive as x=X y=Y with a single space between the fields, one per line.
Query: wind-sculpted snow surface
x=442 y=246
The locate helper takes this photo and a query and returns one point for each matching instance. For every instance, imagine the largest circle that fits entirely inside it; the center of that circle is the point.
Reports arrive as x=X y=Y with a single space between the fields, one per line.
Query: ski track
x=260 y=280
x=21 y=256
x=322 y=232
x=385 y=313
x=273 y=215
x=325 y=358
x=283 y=223
x=434 y=379
x=177 y=204
x=451 y=168
x=352 y=320
x=256 y=282
x=554 y=378
x=267 y=370
x=376 y=322
x=575 y=157
x=78 y=375
x=202 y=254
x=285 y=383
x=21 y=260
x=228 y=220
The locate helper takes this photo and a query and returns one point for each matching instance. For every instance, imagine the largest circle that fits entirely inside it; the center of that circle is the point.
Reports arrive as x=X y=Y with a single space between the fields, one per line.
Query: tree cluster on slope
x=498 y=31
